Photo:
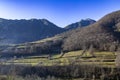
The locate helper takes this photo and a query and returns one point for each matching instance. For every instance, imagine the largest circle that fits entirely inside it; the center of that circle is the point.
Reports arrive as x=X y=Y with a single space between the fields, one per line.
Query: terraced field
x=106 y=59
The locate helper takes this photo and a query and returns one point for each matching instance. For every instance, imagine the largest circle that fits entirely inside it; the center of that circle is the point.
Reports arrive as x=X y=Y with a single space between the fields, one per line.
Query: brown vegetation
x=102 y=35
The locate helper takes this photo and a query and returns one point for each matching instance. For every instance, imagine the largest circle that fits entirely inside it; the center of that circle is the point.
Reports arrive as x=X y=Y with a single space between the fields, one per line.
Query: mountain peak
x=45 y=21
x=81 y=23
x=87 y=19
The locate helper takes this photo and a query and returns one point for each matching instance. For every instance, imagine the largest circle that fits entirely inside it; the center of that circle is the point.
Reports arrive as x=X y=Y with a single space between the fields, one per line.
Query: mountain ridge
x=81 y=23
x=20 y=31
x=27 y=30
x=102 y=35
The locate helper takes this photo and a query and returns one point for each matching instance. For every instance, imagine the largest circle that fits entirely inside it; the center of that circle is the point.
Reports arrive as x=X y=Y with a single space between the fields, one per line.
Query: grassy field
x=102 y=58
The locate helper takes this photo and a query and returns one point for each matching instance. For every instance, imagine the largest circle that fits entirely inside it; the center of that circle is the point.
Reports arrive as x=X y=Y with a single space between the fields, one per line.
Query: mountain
x=20 y=31
x=103 y=35
x=82 y=23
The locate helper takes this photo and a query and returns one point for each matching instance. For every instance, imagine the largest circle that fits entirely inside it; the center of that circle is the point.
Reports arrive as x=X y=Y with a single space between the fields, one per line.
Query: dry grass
x=102 y=58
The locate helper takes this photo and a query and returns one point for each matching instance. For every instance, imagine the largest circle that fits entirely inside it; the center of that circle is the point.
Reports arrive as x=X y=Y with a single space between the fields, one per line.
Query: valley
x=86 y=50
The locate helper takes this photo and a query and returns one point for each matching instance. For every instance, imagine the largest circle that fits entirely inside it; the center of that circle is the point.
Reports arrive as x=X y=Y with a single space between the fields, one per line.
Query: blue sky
x=60 y=12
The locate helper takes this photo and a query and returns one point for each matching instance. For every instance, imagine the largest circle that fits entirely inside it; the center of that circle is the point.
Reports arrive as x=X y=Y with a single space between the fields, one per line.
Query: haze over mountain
x=20 y=31
x=81 y=23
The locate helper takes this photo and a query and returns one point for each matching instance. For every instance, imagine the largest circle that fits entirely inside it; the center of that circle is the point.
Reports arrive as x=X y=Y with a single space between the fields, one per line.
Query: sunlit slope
x=106 y=59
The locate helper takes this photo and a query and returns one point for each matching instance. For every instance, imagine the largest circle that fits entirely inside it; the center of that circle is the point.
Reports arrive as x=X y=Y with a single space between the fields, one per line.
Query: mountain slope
x=101 y=35
x=20 y=31
x=82 y=23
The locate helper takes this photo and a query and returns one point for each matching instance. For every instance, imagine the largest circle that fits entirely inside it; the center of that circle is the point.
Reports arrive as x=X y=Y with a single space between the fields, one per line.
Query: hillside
x=102 y=35
x=20 y=31
x=68 y=58
x=81 y=23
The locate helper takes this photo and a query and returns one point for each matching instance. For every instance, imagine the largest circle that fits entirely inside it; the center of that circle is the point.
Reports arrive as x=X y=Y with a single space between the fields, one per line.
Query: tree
x=84 y=51
x=62 y=54
x=117 y=60
x=112 y=48
x=91 y=50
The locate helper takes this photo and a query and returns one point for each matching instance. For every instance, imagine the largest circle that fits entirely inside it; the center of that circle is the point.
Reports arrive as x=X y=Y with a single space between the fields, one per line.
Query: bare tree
x=49 y=57
x=112 y=48
x=91 y=50
x=62 y=54
x=84 y=51
x=117 y=60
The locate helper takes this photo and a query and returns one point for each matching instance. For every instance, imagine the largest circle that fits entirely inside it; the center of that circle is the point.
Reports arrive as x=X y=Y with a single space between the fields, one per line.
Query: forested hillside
x=21 y=31
x=102 y=35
